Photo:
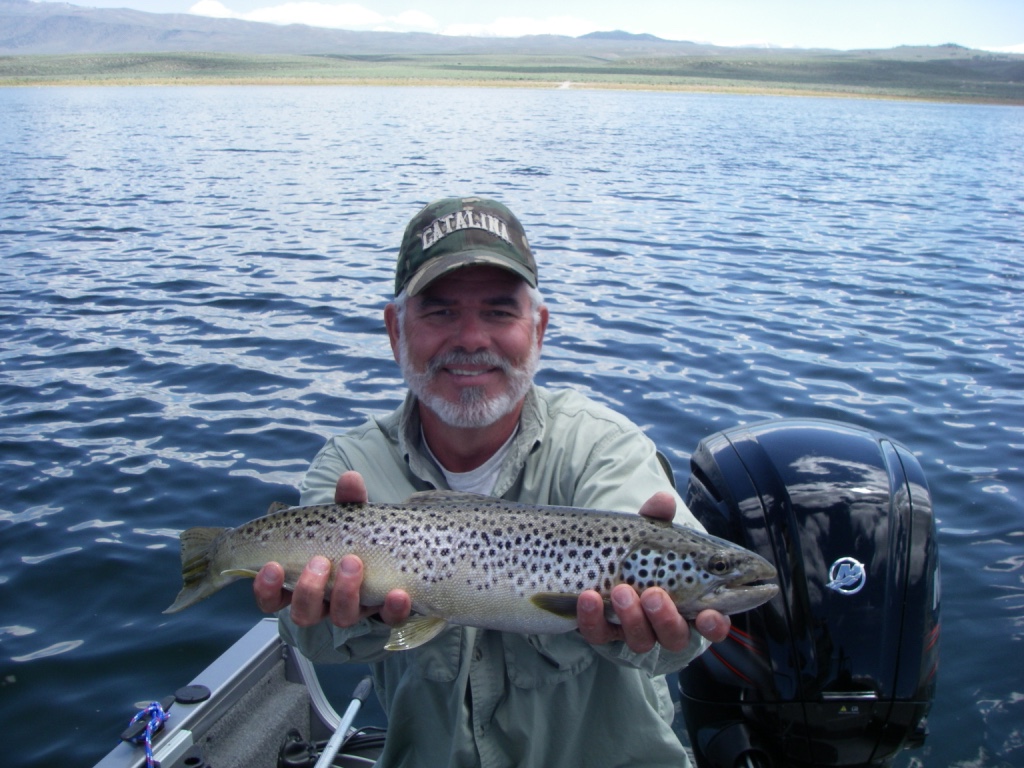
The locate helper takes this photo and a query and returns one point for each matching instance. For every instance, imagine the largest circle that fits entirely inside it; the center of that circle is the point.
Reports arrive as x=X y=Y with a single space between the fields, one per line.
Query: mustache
x=456 y=358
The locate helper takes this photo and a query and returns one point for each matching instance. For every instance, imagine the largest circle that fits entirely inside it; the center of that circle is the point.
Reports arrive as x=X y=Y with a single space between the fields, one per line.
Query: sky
x=992 y=25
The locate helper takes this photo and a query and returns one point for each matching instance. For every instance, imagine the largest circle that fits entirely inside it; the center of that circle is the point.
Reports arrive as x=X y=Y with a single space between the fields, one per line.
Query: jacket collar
x=410 y=443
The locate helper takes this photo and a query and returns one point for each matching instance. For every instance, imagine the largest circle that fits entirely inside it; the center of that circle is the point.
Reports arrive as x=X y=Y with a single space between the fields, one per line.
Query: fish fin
x=198 y=546
x=240 y=573
x=559 y=603
x=422 y=498
x=564 y=604
x=414 y=632
x=278 y=506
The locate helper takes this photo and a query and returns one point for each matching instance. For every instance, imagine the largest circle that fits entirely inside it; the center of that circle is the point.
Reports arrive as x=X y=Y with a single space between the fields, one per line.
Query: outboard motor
x=839 y=668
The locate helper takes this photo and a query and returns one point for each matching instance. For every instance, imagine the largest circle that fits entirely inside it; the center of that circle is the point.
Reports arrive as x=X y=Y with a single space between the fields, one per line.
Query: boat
x=839 y=669
x=260 y=704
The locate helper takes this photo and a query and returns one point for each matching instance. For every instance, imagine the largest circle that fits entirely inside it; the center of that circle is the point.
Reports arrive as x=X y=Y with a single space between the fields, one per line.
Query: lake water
x=191 y=289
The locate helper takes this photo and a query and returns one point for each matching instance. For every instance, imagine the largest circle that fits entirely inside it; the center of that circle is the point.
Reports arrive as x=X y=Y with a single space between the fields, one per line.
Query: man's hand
x=308 y=605
x=649 y=618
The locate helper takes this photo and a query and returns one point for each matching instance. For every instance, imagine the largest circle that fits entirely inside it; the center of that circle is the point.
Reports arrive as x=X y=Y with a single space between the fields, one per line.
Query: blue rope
x=157 y=717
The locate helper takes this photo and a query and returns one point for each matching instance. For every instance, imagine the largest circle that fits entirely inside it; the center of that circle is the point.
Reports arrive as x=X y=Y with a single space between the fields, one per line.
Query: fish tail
x=199 y=581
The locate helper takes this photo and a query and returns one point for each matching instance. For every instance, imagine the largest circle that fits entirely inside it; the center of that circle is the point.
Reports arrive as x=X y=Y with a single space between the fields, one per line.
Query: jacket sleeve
x=622 y=470
x=328 y=644
x=317 y=486
x=657 y=661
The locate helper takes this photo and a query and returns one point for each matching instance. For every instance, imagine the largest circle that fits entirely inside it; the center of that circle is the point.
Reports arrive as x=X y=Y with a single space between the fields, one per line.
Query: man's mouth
x=469 y=366
x=469 y=372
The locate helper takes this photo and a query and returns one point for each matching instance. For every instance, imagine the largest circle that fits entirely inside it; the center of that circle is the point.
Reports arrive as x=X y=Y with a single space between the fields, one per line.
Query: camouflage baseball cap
x=458 y=232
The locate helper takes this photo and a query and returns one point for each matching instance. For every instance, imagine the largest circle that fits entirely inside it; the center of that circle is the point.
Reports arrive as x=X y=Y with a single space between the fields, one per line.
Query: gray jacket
x=476 y=697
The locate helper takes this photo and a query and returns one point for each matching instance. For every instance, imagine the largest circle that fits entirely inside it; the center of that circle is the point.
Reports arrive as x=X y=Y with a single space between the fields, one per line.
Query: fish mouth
x=753 y=578
x=747 y=589
x=738 y=596
x=740 y=589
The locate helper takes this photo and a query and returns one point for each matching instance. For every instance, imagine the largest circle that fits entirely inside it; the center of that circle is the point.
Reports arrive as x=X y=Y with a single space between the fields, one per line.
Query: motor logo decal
x=846 y=576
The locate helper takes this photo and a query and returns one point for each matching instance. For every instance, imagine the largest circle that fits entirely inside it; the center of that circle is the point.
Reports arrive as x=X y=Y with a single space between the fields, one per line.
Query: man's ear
x=542 y=325
x=392 y=325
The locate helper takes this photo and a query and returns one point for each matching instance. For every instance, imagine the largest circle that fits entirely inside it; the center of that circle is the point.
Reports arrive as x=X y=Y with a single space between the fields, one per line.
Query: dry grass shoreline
x=821 y=77
x=417 y=83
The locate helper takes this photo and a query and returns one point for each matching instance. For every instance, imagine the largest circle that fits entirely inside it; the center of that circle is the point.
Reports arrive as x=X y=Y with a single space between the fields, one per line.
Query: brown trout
x=482 y=562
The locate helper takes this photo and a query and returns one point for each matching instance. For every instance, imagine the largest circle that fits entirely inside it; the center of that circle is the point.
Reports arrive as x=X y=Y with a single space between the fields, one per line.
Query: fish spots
x=494 y=548
x=647 y=566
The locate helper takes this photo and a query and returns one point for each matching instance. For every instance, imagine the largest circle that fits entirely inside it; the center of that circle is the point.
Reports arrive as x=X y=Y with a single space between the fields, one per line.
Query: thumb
x=350 y=489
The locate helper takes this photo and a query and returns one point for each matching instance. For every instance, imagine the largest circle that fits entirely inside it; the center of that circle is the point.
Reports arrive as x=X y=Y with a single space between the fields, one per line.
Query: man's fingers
x=396 y=608
x=350 y=489
x=670 y=629
x=268 y=588
x=344 y=610
x=636 y=630
x=661 y=506
x=713 y=625
x=591 y=621
x=308 y=606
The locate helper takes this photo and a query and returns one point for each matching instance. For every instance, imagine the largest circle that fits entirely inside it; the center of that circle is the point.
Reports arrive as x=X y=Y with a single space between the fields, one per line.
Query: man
x=466 y=328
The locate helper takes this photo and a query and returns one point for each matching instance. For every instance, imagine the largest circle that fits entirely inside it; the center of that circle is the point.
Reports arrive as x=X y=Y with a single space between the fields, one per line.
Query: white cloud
x=321 y=14
x=1007 y=49
x=212 y=8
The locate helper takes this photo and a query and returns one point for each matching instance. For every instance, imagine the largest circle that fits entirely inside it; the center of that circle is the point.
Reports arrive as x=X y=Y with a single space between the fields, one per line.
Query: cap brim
x=449 y=263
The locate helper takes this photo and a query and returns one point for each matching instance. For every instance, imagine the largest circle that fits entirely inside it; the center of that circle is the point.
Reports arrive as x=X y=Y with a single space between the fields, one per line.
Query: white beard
x=474 y=409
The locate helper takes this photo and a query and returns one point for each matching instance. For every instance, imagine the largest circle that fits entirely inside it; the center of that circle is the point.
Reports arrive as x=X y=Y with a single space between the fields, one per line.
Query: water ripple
x=191 y=293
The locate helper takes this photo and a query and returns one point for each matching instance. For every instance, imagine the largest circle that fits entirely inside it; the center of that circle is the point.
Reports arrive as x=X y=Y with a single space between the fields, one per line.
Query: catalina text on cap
x=465 y=219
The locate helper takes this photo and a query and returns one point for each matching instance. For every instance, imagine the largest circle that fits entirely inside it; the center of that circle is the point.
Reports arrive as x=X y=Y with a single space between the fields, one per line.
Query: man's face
x=469 y=347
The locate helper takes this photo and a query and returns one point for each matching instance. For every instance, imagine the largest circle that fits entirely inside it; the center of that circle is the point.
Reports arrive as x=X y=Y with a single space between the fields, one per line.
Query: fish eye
x=718 y=564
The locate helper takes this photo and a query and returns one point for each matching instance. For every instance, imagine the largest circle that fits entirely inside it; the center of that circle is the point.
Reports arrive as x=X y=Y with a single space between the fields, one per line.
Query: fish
x=481 y=561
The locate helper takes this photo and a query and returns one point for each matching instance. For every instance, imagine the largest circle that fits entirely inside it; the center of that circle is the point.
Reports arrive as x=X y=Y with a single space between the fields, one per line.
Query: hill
x=32 y=28
x=47 y=42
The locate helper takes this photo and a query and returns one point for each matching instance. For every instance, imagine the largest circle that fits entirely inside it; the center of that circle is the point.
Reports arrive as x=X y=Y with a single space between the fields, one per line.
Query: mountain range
x=28 y=28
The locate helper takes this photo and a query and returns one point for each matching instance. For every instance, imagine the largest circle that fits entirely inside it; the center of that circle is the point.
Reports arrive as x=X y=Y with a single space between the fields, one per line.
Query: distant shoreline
x=771 y=76
x=302 y=82
x=604 y=86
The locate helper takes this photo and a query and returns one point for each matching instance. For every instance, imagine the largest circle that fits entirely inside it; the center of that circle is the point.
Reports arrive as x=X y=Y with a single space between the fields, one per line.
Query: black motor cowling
x=839 y=668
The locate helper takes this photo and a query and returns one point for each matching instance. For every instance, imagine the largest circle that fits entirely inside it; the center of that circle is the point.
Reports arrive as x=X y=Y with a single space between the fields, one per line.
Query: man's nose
x=471 y=333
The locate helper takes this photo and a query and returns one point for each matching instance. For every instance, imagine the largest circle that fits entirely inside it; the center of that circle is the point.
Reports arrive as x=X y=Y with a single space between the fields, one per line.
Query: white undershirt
x=480 y=480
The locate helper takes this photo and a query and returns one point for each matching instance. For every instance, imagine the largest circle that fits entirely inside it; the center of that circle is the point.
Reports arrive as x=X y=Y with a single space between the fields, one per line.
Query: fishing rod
x=334 y=744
